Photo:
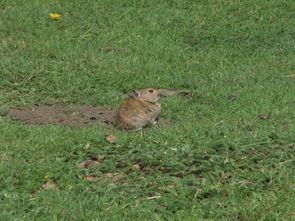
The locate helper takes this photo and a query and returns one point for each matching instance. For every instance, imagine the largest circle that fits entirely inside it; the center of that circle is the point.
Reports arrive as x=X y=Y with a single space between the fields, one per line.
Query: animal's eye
x=151 y=91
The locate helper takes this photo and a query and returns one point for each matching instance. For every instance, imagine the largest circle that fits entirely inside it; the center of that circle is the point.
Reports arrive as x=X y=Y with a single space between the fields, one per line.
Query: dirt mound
x=78 y=116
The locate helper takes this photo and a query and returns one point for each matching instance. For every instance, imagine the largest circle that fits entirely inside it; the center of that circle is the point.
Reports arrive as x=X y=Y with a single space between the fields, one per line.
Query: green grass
x=216 y=160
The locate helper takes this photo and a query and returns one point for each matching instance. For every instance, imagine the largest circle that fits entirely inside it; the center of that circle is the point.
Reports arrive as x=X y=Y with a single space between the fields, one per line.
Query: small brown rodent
x=139 y=110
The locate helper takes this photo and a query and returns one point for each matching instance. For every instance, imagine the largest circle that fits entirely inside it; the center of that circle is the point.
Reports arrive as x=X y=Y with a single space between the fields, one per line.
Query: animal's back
x=135 y=114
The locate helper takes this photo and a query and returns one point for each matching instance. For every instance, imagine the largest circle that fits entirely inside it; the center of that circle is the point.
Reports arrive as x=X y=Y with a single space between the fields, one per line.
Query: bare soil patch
x=78 y=116
x=75 y=116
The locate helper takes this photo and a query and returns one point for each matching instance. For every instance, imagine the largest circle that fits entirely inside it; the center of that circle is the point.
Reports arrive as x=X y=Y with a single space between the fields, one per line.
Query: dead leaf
x=220 y=205
x=109 y=175
x=90 y=178
x=88 y=164
x=153 y=197
x=226 y=175
x=232 y=96
x=171 y=185
x=203 y=180
x=244 y=182
x=290 y=76
x=264 y=116
x=50 y=185
x=111 y=138
x=100 y=157
x=136 y=166
x=124 y=182
x=117 y=178
x=145 y=171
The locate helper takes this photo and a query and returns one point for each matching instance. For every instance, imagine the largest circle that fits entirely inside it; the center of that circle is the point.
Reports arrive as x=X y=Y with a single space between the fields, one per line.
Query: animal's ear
x=135 y=94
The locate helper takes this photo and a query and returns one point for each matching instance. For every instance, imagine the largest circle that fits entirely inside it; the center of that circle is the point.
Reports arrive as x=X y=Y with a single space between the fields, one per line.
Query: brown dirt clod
x=111 y=138
x=88 y=164
x=50 y=185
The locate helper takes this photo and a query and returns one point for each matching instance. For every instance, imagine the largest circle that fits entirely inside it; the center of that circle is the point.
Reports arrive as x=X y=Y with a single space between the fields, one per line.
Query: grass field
x=227 y=152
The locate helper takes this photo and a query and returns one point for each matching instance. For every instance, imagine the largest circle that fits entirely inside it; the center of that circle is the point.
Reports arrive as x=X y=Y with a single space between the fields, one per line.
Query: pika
x=139 y=110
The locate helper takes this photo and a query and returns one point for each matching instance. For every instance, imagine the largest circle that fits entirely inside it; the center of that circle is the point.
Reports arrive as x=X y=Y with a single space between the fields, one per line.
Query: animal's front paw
x=136 y=129
x=153 y=122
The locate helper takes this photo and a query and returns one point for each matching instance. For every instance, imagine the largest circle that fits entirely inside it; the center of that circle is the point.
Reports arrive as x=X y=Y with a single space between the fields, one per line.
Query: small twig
x=281 y=163
x=153 y=197
x=219 y=123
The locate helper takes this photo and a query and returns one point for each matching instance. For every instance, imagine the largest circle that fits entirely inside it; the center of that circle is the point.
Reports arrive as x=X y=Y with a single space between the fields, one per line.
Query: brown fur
x=139 y=110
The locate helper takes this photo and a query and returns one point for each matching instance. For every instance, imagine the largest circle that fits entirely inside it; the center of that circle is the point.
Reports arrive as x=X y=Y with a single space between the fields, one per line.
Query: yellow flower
x=54 y=16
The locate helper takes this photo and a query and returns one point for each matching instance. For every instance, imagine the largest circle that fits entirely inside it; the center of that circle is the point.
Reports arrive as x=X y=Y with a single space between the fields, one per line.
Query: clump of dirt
x=77 y=116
